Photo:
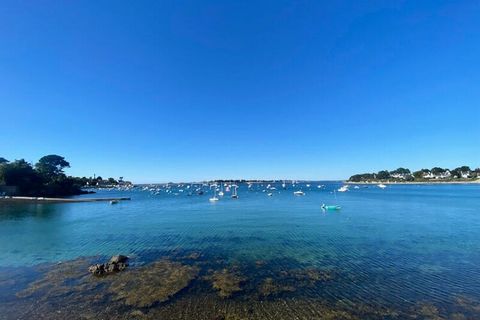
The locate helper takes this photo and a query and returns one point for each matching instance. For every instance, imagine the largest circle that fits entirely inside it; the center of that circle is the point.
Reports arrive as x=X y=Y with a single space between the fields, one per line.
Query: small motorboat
x=343 y=188
x=113 y=201
x=299 y=193
x=381 y=186
x=269 y=194
x=325 y=207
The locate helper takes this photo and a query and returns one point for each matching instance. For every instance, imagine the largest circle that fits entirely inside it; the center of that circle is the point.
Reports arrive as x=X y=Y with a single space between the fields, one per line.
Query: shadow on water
x=17 y=211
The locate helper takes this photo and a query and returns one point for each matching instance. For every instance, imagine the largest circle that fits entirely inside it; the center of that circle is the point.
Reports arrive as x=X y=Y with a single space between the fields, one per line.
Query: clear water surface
x=400 y=245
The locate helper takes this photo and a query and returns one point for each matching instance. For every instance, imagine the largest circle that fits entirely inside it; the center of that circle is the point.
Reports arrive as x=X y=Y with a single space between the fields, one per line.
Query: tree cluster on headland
x=45 y=178
x=463 y=173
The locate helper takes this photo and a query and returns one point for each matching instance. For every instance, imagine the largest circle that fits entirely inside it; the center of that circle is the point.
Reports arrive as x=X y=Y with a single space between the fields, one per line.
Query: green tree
x=3 y=160
x=362 y=177
x=456 y=173
x=401 y=171
x=51 y=166
x=464 y=169
x=21 y=174
x=418 y=174
x=438 y=170
x=383 y=175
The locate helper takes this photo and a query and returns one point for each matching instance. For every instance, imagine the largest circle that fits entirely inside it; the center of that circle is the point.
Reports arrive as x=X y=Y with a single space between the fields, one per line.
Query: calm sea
x=407 y=250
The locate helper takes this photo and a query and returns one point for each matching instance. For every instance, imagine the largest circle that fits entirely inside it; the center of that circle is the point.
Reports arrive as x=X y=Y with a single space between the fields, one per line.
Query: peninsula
x=45 y=179
x=463 y=174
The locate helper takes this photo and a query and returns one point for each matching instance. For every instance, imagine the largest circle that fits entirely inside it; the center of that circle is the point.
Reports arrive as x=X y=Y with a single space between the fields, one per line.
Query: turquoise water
x=399 y=246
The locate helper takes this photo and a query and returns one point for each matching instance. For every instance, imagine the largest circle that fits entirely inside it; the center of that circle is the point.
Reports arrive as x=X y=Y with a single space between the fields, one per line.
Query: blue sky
x=161 y=91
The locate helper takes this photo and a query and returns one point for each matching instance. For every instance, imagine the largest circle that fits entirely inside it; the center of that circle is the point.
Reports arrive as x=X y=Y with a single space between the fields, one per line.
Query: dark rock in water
x=97 y=269
x=116 y=264
x=118 y=259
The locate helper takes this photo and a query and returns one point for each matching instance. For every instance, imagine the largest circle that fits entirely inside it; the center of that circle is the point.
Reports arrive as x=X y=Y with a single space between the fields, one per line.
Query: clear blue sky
x=161 y=91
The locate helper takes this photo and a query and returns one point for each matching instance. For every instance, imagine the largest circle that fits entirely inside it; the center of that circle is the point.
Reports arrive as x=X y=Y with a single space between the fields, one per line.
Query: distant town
x=436 y=174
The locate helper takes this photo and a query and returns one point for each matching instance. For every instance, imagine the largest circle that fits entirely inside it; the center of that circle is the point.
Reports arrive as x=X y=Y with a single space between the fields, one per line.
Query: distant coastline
x=436 y=175
x=412 y=182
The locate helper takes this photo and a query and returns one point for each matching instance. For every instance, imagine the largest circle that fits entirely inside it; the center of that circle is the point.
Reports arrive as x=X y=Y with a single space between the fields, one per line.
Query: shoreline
x=57 y=200
x=412 y=182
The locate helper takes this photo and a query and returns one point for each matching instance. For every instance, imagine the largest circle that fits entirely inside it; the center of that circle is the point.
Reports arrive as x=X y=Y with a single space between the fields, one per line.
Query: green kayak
x=325 y=207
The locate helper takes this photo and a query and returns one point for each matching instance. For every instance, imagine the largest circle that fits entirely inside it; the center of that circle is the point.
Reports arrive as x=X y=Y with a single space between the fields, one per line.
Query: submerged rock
x=468 y=304
x=227 y=282
x=57 y=279
x=116 y=264
x=308 y=277
x=425 y=310
x=270 y=287
x=152 y=283
x=193 y=256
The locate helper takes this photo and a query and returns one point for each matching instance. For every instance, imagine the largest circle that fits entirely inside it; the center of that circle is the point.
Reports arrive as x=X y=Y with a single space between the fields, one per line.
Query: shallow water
x=409 y=251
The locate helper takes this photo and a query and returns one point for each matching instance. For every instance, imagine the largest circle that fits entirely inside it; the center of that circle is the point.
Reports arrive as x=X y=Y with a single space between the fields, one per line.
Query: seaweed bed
x=192 y=285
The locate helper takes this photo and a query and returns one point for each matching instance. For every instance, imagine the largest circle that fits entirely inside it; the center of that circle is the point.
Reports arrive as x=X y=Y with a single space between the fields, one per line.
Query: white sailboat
x=234 y=193
x=214 y=198
x=221 y=191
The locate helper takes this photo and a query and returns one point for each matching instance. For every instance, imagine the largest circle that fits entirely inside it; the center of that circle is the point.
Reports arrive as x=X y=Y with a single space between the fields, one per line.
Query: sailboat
x=234 y=193
x=221 y=190
x=214 y=198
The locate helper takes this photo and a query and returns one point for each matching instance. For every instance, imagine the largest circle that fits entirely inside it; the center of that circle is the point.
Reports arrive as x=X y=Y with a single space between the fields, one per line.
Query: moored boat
x=334 y=207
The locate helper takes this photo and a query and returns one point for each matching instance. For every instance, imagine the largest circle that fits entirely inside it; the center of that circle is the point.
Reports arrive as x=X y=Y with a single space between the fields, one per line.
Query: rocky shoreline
x=189 y=285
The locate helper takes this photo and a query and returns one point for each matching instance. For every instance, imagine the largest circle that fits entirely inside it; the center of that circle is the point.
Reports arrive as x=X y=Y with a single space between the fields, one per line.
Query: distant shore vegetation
x=436 y=174
x=45 y=178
